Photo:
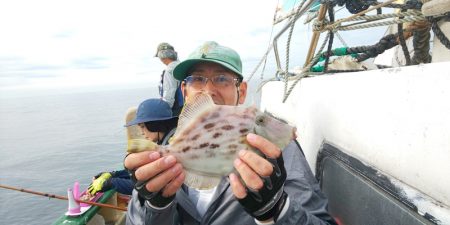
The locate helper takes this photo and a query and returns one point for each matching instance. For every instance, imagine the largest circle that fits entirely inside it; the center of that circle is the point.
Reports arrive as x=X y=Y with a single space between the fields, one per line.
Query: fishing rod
x=62 y=197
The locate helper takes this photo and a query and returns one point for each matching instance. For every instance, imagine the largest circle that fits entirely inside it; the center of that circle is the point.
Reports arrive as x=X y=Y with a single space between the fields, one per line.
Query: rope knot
x=319 y=25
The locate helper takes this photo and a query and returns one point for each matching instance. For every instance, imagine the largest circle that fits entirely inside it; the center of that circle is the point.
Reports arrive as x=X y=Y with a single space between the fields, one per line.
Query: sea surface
x=49 y=141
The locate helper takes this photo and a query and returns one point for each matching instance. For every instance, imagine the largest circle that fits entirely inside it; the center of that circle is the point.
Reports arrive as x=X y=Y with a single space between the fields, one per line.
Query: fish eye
x=260 y=120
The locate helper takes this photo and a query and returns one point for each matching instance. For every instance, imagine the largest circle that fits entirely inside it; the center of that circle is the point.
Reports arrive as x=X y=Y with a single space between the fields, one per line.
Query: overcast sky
x=66 y=43
x=47 y=44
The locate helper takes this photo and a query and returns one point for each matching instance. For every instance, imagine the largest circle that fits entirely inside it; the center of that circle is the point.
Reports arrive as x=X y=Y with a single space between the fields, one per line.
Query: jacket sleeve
x=122 y=185
x=170 y=86
x=307 y=204
x=140 y=213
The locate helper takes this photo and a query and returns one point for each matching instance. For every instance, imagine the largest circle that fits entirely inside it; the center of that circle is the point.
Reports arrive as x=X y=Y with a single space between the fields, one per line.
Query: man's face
x=221 y=95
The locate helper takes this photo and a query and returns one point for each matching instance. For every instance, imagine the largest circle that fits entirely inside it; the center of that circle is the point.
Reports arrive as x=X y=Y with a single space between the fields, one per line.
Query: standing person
x=278 y=187
x=169 y=87
x=157 y=124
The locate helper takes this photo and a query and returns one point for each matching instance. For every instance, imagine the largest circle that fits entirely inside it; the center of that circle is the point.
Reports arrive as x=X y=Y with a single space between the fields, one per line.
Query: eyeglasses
x=219 y=81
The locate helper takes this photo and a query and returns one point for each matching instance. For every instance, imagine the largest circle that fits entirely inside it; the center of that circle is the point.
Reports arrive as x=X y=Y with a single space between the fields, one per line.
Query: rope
x=411 y=4
x=353 y=6
x=356 y=6
x=264 y=58
x=318 y=56
x=386 y=16
x=288 y=44
x=305 y=71
x=270 y=39
x=438 y=32
x=385 y=43
x=385 y=23
x=403 y=43
x=365 y=52
x=337 y=23
x=421 y=43
x=341 y=39
x=306 y=6
x=260 y=62
x=330 y=41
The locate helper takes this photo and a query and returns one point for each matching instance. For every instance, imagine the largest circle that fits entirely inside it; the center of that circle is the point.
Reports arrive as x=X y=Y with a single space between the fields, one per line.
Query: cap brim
x=138 y=121
x=181 y=70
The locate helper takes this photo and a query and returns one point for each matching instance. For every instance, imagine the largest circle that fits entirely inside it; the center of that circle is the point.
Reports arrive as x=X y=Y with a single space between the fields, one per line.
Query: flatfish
x=209 y=137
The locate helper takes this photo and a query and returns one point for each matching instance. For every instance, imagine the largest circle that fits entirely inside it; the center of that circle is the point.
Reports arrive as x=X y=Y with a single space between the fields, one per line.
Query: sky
x=63 y=44
x=71 y=43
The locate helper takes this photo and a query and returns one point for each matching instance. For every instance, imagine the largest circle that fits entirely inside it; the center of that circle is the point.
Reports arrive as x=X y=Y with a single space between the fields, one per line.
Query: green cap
x=210 y=52
x=164 y=46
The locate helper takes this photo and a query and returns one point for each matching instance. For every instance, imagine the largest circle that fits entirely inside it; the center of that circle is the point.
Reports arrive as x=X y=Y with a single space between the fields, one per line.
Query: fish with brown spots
x=209 y=137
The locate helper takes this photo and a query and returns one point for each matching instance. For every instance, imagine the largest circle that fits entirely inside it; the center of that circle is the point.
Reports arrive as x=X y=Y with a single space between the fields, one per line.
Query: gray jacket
x=307 y=204
x=170 y=84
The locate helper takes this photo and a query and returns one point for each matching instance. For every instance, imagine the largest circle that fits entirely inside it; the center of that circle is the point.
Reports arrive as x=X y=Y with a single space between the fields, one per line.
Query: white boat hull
x=396 y=120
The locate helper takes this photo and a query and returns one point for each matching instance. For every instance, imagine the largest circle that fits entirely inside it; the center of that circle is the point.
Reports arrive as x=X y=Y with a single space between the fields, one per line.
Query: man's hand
x=262 y=194
x=158 y=179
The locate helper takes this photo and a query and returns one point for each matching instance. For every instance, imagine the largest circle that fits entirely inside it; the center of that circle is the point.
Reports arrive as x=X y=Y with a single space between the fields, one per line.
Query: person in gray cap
x=154 y=117
x=274 y=187
x=169 y=87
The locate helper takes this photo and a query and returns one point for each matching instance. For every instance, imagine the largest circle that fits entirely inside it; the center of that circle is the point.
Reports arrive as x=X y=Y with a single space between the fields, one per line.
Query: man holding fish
x=226 y=164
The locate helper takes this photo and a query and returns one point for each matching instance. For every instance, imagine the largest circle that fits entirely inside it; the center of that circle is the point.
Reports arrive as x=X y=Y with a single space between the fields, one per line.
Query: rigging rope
x=330 y=41
x=386 y=16
x=288 y=44
x=411 y=4
x=353 y=6
x=385 y=43
x=270 y=40
x=362 y=53
x=438 y=32
x=403 y=42
x=305 y=71
x=264 y=58
x=337 y=23
x=356 y=6
x=421 y=42
x=384 y=23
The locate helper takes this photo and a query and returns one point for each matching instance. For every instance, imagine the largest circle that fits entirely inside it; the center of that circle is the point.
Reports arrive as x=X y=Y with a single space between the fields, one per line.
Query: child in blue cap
x=154 y=117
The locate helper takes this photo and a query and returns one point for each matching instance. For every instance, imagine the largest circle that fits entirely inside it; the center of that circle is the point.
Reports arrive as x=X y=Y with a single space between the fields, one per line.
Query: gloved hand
x=155 y=198
x=268 y=202
x=101 y=183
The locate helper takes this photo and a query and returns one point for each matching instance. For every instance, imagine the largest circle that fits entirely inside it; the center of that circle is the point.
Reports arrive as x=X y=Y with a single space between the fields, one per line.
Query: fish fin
x=140 y=145
x=199 y=103
x=199 y=181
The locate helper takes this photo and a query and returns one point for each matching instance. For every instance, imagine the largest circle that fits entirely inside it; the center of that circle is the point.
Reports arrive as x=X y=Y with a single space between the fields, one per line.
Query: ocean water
x=47 y=142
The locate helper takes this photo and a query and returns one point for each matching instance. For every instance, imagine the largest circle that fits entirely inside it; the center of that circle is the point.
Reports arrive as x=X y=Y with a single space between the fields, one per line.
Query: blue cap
x=153 y=109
